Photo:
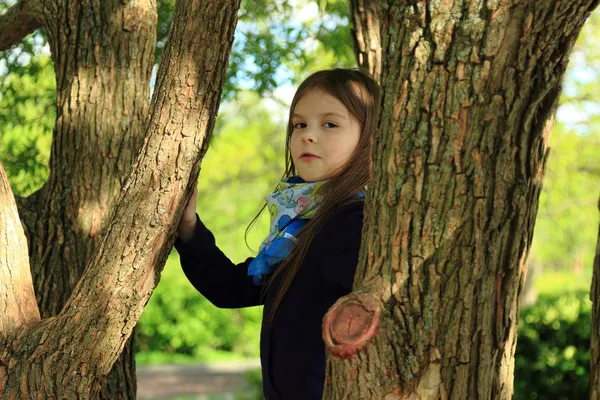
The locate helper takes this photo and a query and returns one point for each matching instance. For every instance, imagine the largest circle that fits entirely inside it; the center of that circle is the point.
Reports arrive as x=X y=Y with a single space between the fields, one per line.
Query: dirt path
x=191 y=381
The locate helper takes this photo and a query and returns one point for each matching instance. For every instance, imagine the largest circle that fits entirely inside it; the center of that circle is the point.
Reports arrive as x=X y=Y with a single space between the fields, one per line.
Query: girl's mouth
x=308 y=157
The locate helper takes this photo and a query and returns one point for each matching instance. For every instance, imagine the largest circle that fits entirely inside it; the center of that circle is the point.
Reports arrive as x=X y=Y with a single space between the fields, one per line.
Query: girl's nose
x=309 y=137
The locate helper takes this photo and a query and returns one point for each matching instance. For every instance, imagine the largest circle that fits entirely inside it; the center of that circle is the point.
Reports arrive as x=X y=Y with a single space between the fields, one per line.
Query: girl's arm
x=212 y=273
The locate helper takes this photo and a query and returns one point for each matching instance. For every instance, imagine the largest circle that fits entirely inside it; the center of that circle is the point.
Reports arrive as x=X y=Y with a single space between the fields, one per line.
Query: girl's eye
x=329 y=125
x=299 y=125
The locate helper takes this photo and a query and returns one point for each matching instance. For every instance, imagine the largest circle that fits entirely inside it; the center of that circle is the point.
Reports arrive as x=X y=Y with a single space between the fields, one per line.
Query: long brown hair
x=360 y=95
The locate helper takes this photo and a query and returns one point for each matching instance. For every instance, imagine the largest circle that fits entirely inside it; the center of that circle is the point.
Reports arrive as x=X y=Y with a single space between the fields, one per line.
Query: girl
x=308 y=259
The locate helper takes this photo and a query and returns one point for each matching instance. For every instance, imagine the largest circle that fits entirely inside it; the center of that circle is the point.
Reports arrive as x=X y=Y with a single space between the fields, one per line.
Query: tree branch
x=366 y=37
x=19 y=21
x=18 y=306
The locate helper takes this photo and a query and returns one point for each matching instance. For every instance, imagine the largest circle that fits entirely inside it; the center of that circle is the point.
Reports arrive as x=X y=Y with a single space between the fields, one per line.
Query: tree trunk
x=595 y=336
x=469 y=92
x=366 y=36
x=103 y=54
x=109 y=254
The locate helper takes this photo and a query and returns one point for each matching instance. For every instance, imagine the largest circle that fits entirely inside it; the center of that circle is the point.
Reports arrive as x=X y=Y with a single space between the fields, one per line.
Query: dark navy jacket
x=292 y=350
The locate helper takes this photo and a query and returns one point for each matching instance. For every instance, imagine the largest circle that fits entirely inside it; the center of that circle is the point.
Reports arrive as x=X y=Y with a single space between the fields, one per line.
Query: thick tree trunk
x=103 y=54
x=595 y=336
x=101 y=106
x=366 y=36
x=469 y=92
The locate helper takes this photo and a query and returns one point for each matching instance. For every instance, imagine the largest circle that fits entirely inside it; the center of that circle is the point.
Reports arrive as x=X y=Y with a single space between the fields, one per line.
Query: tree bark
x=469 y=92
x=366 y=36
x=103 y=54
x=17 y=300
x=595 y=336
x=101 y=104
x=19 y=21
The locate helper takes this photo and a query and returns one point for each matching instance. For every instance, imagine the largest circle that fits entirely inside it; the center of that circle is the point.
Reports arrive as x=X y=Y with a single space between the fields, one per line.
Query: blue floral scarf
x=293 y=202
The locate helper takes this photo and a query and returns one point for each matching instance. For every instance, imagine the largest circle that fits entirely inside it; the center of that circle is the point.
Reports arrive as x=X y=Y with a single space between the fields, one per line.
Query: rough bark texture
x=68 y=355
x=469 y=93
x=19 y=21
x=103 y=54
x=17 y=300
x=595 y=336
x=366 y=36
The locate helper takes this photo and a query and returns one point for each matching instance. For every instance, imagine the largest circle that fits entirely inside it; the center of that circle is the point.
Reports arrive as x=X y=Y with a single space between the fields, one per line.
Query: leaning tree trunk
x=68 y=355
x=595 y=336
x=103 y=54
x=366 y=36
x=469 y=91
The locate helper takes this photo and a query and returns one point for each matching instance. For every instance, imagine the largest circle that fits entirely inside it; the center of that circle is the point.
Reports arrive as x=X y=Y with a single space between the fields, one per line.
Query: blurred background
x=184 y=341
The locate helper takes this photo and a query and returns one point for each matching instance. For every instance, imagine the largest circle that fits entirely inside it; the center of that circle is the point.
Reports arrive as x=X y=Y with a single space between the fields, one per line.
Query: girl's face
x=324 y=135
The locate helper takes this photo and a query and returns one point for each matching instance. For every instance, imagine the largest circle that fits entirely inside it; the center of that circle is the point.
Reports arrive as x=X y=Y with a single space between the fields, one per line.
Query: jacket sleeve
x=214 y=275
x=338 y=245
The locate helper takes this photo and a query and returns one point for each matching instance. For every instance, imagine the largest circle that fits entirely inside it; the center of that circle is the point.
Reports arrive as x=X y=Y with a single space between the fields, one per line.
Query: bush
x=552 y=356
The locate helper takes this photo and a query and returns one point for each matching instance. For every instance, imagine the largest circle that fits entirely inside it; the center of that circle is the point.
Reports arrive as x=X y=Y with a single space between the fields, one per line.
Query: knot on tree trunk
x=351 y=323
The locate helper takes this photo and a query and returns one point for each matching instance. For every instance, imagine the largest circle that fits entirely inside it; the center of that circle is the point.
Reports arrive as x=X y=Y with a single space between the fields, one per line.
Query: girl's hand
x=187 y=225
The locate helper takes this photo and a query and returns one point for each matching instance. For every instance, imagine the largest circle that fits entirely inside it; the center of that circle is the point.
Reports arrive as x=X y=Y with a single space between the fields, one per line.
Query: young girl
x=308 y=260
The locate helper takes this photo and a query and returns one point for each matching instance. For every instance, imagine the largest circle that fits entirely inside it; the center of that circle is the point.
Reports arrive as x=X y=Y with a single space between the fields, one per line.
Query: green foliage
x=559 y=282
x=27 y=115
x=243 y=164
x=552 y=356
x=272 y=45
x=567 y=222
x=164 y=9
